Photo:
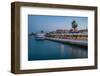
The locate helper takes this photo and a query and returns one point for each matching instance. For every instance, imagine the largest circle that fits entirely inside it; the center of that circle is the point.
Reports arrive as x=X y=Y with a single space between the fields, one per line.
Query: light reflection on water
x=48 y=50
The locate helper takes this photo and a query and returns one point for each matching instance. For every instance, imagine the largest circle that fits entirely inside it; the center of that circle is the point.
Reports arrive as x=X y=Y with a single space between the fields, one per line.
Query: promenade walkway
x=71 y=41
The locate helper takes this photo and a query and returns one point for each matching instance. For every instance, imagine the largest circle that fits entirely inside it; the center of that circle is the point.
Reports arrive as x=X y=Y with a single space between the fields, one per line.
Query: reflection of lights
x=77 y=52
x=62 y=50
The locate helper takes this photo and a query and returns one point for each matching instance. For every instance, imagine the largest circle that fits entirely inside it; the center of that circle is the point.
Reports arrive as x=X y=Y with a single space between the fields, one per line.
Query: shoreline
x=81 y=43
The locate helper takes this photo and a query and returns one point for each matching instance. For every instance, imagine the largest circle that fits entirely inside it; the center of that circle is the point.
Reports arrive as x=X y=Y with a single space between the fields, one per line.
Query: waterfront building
x=62 y=31
x=70 y=34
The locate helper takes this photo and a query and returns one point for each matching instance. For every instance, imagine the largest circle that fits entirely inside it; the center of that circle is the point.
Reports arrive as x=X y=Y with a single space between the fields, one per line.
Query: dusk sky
x=36 y=23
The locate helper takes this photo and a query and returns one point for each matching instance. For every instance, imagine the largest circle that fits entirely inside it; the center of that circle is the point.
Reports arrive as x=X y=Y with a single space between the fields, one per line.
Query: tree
x=42 y=31
x=74 y=24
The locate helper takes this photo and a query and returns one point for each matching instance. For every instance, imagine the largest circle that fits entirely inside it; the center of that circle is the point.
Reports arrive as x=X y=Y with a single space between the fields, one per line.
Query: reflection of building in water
x=78 y=52
x=62 y=50
x=73 y=51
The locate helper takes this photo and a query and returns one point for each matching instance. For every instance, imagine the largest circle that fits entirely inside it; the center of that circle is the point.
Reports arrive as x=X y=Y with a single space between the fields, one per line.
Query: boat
x=40 y=36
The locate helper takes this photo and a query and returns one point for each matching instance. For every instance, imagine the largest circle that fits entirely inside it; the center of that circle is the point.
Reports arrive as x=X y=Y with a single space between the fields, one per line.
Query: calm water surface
x=48 y=50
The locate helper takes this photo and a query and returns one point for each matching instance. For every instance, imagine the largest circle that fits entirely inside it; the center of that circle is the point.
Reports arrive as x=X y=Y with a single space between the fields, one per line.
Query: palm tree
x=74 y=24
x=42 y=31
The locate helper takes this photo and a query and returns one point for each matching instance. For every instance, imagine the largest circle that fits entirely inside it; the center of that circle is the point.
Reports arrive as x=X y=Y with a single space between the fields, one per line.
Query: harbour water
x=50 y=50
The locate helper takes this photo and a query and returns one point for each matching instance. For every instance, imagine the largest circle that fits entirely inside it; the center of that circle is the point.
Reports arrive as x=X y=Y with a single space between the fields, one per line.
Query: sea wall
x=70 y=41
